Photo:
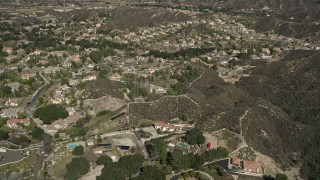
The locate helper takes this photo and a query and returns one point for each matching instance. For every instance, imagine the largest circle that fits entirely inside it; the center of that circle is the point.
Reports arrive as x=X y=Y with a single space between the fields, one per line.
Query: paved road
x=37 y=94
x=11 y=156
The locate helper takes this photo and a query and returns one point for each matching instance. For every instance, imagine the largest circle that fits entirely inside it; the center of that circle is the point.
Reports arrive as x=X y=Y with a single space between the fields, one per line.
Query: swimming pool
x=73 y=145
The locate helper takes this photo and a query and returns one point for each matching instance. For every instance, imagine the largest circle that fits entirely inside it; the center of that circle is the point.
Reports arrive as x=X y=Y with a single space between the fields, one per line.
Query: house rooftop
x=251 y=165
x=235 y=161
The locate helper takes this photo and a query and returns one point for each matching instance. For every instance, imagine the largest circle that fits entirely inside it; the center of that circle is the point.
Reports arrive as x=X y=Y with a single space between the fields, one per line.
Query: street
x=11 y=156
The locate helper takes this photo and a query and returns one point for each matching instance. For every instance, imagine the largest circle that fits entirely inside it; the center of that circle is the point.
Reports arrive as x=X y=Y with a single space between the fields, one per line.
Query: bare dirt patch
x=224 y=139
x=272 y=168
x=104 y=103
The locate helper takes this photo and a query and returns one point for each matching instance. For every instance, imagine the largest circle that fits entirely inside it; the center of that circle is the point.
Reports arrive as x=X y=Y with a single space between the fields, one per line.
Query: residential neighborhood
x=88 y=91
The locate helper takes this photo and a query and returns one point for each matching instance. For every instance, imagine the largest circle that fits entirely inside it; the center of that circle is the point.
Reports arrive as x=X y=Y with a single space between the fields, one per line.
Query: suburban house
x=11 y=112
x=236 y=161
x=252 y=166
x=57 y=97
x=51 y=70
x=13 y=123
x=98 y=150
x=164 y=126
x=151 y=70
x=90 y=142
x=71 y=111
x=73 y=82
x=37 y=52
x=115 y=77
x=43 y=61
x=157 y=89
x=89 y=77
x=55 y=126
x=7 y=49
x=14 y=86
x=12 y=102
x=27 y=76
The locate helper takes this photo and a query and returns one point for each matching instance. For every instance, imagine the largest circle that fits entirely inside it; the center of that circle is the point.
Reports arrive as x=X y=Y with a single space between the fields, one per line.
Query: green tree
x=158 y=150
x=196 y=161
x=37 y=133
x=3 y=121
x=216 y=153
x=152 y=172
x=104 y=160
x=50 y=113
x=78 y=167
x=3 y=135
x=184 y=117
x=111 y=172
x=194 y=136
x=99 y=139
x=281 y=177
x=78 y=151
x=131 y=163
x=178 y=160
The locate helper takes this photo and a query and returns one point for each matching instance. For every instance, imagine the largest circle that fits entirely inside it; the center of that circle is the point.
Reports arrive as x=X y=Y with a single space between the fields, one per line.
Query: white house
x=164 y=126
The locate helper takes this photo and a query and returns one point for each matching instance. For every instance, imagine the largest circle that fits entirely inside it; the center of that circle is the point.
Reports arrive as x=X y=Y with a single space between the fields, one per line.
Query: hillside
x=293 y=85
x=276 y=109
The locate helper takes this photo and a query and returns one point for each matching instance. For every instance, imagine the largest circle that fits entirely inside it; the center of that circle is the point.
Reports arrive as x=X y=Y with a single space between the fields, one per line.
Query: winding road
x=36 y=95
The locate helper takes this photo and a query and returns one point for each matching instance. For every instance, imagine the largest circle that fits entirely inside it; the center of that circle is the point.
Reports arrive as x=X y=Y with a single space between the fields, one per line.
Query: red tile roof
x=163 y=124
x=13 y=122
x=252 y=166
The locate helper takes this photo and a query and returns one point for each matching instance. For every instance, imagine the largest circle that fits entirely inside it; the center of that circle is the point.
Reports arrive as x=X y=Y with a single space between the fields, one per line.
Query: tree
x=56 y=135
x=104 y=160
x=50 y=113
x=78 y=167
x=110 y=172
x=184 y=117
x=99 y=139
x=216 y=153
x=196 y=161
x=178 y=160
x=3 y=135
x=78 y=151
x=37 y=133
x=220 y=171
x=158 y=150
x=152 y=172
x=24 y=141
x=3 y=121
x=281 y=177
x=194 y=136
x=131 y=163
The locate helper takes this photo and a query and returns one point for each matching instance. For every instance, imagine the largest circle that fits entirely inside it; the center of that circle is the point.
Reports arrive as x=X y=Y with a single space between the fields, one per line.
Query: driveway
x=11 y=156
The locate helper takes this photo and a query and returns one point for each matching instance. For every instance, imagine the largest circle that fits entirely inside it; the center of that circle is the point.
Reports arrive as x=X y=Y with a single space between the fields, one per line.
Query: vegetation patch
x=50 y=113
